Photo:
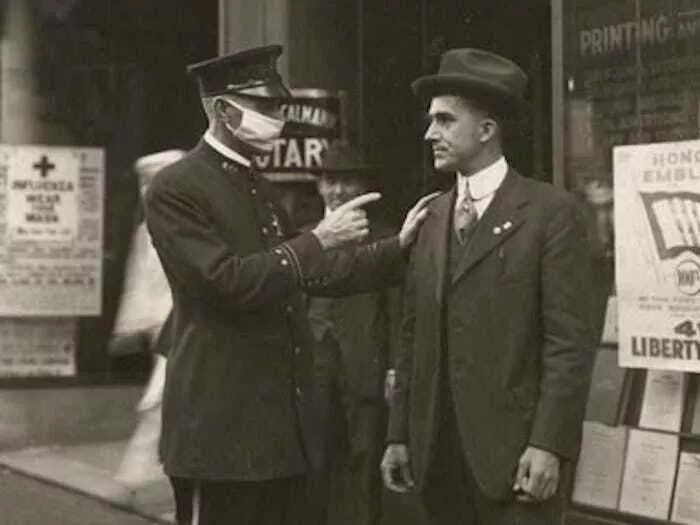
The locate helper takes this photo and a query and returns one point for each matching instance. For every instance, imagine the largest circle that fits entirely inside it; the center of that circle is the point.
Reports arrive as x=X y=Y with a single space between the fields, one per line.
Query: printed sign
x=657 y=231
x=42 y=191
x=312 y=120
x=37 y=347
x=51 y=214
x=624 y=33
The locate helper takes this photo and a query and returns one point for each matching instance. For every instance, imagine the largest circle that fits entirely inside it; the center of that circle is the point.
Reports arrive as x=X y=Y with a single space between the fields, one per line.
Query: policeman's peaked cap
x=252 y=73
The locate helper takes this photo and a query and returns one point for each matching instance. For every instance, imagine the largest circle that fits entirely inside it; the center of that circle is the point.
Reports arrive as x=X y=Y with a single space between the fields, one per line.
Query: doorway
x=400 y=43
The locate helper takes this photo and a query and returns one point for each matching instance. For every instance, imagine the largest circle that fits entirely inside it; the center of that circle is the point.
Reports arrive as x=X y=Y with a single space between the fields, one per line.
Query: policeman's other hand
x=537 y=477
x=414 y=218
x=347 y=223
x=396 y=472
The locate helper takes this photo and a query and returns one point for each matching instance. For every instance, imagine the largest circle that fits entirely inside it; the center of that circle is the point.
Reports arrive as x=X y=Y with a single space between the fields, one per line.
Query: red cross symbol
x=44 y=166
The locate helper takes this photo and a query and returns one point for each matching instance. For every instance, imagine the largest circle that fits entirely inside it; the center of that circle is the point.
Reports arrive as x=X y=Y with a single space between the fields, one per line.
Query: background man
x=496 y=344
x=355 y=336
x=144 y=307
x=237 y=435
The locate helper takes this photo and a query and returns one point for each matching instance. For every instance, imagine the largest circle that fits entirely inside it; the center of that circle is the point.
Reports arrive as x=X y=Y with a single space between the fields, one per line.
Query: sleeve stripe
x=294 y=259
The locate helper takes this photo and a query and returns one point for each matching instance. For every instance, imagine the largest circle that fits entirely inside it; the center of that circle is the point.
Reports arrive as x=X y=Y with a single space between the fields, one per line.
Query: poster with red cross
x=51 y=222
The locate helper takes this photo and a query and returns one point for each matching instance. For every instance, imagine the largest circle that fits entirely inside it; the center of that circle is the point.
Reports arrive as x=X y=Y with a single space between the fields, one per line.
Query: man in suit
x=237 y=433
x=496 y=343
x=356 y=336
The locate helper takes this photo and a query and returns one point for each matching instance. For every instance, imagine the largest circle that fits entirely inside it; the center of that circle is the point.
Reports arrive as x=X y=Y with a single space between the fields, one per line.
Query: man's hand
x=347 y=223
x=395 y=469
x=414 y=218
x=537 y=478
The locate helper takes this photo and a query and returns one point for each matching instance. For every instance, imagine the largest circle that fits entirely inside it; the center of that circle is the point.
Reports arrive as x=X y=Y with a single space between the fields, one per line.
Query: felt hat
x=479 y=74
x=341 y=158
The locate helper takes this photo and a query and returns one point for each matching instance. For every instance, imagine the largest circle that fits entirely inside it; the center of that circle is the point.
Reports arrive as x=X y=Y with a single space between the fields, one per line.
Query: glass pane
x=631 y=75
x=110 y=75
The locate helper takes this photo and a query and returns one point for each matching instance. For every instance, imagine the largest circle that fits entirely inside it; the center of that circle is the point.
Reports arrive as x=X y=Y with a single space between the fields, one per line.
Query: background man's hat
x=474 y=72
x=342 y=158
x=148 y=165
x=252 y=73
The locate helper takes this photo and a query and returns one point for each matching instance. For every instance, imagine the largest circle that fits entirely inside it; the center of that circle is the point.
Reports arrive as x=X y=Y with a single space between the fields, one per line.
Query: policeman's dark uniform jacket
x=237 y=403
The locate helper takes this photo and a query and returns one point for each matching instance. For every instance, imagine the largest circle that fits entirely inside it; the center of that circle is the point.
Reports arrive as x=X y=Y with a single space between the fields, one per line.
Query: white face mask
x=255 y=129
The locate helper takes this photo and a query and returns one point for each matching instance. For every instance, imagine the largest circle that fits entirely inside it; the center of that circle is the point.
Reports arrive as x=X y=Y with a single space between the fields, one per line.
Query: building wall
x=373 y=50
x=107 y=74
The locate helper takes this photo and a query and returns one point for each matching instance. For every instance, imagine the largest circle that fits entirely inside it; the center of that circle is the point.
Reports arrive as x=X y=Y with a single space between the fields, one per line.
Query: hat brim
x=430 y=86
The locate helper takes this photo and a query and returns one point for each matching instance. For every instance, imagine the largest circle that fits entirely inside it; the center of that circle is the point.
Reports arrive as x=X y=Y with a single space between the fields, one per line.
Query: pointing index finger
x=359 y=201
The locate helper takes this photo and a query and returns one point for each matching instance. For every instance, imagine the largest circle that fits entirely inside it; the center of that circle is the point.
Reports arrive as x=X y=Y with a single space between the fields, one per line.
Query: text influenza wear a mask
x=255 y=129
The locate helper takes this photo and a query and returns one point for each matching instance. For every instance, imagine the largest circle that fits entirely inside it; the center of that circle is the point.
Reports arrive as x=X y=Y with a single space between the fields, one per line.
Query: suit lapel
x=502 y=218
x=437 y=230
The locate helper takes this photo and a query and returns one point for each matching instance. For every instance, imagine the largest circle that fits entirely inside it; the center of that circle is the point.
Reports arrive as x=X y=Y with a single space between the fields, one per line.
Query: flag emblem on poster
x=674 y=219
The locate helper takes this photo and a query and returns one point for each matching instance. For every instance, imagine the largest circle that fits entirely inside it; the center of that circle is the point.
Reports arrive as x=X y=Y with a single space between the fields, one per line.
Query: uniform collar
x=224 y=150
x=485 y=182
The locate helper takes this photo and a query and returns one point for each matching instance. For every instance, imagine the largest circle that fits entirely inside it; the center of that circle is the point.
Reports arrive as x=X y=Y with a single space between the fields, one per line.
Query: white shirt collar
x=485 y=182
x=227 y=152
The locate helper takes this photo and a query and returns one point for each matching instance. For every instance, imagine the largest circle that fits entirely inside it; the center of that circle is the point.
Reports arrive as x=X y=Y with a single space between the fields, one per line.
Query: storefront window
x=631 y=76
x=75 y=74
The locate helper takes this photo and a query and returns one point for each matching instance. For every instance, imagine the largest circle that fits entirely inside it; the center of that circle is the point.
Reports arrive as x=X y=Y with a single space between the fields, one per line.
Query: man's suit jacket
x=366 y=329
x=237 y=402
x=520 y=339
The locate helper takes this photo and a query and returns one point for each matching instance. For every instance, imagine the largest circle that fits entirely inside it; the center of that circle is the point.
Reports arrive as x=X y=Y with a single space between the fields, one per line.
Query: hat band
x=247 y=85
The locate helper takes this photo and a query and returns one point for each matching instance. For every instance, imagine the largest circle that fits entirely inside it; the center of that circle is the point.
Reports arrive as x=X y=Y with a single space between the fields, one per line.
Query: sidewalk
x=89 y=469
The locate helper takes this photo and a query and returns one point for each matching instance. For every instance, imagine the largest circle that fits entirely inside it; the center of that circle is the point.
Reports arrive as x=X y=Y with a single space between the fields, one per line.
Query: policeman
x=237 y=415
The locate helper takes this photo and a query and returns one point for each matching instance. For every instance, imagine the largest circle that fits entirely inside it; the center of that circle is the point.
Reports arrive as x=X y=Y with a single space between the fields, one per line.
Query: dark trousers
x=453 y=497
x=271 y=502
x=355 y=485
x=346 y=490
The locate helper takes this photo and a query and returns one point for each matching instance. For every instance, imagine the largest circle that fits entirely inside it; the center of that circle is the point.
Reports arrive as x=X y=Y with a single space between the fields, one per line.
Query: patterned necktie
x=465 y=215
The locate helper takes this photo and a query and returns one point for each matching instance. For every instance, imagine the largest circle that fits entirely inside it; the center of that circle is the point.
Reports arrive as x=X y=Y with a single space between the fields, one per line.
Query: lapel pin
x=497 y=230
x=507 y=225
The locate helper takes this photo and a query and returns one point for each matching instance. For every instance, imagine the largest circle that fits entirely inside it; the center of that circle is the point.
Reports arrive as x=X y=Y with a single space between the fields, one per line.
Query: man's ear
x=489 y=128
x=226 y=112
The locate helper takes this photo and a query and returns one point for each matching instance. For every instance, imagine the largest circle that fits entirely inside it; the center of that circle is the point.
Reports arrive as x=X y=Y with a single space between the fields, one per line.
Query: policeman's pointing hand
x=347 y=223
